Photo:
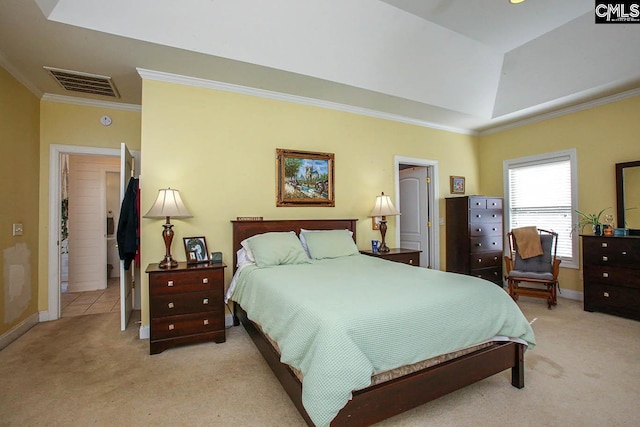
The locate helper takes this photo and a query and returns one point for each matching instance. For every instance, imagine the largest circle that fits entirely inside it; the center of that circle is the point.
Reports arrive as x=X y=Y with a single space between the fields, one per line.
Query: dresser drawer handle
x=493 y=243
x=478 y=216
x=170 y=283
x=410 y=261
x=624 y=252
x=605 y=294
x=479 y=230
x=170 y=305
x=605 y=245
x=494 y=229
x=477 y=203
x=605 y=274
x=205 y=280
x=478 y=244
x=205 y=322
x=495 y=273
x=171 y=327
x=605 y=258
x=495 y=258
x=494 y=215
x=479 y=260
x=493 y=204
x=205 y=301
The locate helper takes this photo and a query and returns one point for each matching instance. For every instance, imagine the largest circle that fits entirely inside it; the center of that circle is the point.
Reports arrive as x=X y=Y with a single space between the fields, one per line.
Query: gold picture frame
x=304 y=178
x=457 y=184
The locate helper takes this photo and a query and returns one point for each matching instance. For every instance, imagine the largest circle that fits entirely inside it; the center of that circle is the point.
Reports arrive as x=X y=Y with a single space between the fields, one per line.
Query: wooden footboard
x=376 y=403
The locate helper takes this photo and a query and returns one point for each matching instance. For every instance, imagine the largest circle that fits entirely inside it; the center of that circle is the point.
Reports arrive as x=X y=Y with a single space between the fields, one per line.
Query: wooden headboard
x=245 y=229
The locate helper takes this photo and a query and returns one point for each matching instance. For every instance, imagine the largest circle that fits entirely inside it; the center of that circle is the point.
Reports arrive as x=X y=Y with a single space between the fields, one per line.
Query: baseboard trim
x=18 y=330
x=571 y=294
x=145 y=332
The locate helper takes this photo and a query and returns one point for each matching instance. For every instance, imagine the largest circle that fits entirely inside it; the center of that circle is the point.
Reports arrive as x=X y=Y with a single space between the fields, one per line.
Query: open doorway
x=55 y=202
x=90 y=197
x=416 y=183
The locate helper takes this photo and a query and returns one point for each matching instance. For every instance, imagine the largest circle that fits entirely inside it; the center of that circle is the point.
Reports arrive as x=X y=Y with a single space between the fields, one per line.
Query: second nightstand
x=405 y=256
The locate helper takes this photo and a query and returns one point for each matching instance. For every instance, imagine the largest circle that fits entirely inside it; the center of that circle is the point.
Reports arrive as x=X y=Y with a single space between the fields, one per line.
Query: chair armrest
x=556 y=268
x=508 y=264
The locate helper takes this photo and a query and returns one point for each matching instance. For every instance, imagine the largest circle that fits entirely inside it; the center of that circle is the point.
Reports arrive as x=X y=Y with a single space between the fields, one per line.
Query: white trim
x=17 y=331
x=4 y=63
x=63 y=99
x=561 y=112
x=434 y=195
x=542 y=158
x=145 y=332
x=571 y=294
x=279 y=96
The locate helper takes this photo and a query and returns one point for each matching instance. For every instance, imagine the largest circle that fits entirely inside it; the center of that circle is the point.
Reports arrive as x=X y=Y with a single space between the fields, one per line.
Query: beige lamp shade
x=384 y=207
x=168 y=204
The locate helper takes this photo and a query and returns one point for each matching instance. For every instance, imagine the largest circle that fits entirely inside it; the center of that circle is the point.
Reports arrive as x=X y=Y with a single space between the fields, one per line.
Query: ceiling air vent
x=76 y=81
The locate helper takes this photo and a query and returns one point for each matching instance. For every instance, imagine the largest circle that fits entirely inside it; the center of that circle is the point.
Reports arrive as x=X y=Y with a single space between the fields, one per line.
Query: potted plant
x=590 y=219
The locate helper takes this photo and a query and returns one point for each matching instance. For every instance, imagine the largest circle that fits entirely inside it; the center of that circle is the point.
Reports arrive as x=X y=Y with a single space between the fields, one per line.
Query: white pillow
x=304 y=241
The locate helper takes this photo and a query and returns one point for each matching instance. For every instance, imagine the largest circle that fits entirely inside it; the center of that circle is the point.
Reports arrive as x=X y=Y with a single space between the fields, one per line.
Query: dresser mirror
x=628 y=196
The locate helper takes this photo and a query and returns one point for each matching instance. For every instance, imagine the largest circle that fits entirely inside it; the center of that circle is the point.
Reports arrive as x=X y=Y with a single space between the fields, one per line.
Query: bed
x=381 y=399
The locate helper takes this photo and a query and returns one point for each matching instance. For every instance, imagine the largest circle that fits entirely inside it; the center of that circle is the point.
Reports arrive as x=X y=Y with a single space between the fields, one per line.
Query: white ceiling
x=463 y=65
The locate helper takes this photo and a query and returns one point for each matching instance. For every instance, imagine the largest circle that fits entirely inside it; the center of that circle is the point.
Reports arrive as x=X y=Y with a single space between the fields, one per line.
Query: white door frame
x=55 y=153
x=432 y=200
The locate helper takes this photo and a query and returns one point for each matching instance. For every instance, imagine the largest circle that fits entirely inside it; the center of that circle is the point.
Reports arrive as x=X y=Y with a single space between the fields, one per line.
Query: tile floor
x=92 y=302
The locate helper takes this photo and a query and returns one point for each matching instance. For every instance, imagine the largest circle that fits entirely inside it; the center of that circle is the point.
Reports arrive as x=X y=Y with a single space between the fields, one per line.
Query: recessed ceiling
x=464 y=65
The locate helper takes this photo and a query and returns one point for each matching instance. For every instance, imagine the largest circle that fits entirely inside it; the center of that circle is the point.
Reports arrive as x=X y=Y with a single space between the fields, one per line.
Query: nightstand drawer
x=185 y=281
x=184 y=303
x=177 y=326
x=411 y=259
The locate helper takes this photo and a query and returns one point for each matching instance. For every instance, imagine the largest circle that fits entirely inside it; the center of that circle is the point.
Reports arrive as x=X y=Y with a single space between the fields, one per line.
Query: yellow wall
x=19 y=110
x=69 y=124
x=218 y=149
x=602 y=137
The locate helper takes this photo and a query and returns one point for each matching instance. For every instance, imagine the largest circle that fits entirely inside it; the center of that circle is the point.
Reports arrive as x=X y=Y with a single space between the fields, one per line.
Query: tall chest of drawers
x=186 y=305
x=474 y=236
x=611 y=273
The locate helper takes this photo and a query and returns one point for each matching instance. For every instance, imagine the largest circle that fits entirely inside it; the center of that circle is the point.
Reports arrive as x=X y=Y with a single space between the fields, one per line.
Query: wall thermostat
x=105 y=120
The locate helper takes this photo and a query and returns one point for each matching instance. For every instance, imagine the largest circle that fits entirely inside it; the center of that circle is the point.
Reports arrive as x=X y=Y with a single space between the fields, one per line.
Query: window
x=541 y=191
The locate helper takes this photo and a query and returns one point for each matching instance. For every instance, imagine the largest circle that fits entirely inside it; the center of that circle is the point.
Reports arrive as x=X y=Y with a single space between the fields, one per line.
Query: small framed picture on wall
x=457 y=184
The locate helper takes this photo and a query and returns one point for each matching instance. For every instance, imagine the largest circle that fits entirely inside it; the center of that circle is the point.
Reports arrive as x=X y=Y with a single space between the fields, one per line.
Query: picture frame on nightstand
x=195 y=249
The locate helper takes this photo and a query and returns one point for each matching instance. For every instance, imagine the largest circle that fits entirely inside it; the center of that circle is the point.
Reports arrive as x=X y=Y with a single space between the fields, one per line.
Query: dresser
x=474 y=236
x=186 y=305
x=611 y=274
x=405 y=256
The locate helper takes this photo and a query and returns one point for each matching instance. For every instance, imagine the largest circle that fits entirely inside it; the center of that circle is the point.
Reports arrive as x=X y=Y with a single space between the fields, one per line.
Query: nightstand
x=186 y=305
x=405 y=256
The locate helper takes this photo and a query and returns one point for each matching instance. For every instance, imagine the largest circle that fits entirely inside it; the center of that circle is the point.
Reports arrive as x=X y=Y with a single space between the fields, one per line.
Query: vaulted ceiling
x=463 y=65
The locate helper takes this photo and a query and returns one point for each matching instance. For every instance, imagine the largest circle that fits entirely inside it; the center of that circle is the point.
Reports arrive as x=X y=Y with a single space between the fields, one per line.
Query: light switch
x=17 y=229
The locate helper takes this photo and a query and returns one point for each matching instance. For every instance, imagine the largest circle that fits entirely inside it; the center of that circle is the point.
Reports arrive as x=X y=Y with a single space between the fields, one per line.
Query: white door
x=414 y=232
x=126 y=276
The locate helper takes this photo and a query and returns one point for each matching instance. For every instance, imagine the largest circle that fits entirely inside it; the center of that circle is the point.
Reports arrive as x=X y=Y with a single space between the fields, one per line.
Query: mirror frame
x=620 y=193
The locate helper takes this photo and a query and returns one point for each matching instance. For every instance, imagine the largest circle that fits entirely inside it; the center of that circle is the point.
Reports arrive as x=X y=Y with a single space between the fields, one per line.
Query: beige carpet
x=81 y=371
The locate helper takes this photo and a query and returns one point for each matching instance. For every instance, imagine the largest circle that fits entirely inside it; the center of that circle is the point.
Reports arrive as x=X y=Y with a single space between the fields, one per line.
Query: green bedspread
x=339 y=321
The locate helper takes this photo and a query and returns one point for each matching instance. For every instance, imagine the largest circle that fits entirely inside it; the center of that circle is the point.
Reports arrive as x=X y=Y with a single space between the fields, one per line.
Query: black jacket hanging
x=127 y=234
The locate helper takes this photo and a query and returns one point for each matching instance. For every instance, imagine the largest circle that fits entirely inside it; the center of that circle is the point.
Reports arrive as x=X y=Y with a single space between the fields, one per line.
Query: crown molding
x=562 y=111
x=4 y=63
x=279 y=96
x=91 y=102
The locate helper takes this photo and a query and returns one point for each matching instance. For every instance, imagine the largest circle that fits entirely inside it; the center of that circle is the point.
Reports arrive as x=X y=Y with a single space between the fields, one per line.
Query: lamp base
x=383 y=248
x=168 y=262
x=383 y=231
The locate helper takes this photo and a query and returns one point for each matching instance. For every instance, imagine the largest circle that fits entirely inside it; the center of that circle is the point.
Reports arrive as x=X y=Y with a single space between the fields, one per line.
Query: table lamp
x=383 y=208
x=168 y=204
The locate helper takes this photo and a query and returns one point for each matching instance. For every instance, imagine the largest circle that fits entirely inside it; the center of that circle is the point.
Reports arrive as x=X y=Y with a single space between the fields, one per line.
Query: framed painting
x=195 y=249
x=304 y=178
x=457 y=184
